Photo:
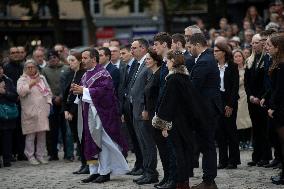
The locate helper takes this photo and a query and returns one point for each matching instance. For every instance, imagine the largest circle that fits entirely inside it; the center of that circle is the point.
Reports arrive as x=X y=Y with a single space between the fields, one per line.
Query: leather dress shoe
x=22 y=157
x=137 y=172
x=83 y=170
x=205 y=185
x=222 y=166
x=278 y=180
x=262 y=163
x=102 y=178
x=170 y=184
x=139 y=178
x=163 y=181
x=231 y=166
x=53 y=158
x=147 y=180
x=251 y=163
x=91 y=178
x=273 y=163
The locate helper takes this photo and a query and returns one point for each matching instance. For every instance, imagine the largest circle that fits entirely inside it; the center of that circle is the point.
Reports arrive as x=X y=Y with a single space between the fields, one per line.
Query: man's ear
x=164 y=44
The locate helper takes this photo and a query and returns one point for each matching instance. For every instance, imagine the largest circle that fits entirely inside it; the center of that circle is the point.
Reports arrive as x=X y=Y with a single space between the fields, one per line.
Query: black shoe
x=163 y=181
x=222 y=166
x=278 y=180
x=13 y=158
x=102 y=178
x=262 y=163
x=170 y=184
x=84 y=169
x=203 y=185
x=252 y=163
x=147 y=180
x=137 y=172
x=139 y=178
x=278 y=166
x=22 y=158
x=132 y=170
x=7 y=164
x=231 y=166
x=53 y=158
x=91 y=178
x=273 y=163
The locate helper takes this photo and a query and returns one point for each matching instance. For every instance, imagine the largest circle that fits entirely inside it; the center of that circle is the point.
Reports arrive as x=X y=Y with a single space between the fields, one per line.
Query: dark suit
x=144 y=132
x=114 y=72
x=122 y=80
x=205 y=76
x=189 y=61
x=227 y=131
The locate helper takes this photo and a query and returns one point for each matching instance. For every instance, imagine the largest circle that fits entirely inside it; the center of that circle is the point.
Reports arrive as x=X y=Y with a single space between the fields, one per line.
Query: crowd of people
x=177 y=96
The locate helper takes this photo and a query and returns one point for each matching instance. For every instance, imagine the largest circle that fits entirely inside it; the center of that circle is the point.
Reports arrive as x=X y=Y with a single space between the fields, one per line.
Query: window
x=95 y=6
x=136 y=7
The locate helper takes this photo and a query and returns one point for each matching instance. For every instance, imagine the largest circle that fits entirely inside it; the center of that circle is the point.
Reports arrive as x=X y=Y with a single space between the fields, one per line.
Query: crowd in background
x=244 y=74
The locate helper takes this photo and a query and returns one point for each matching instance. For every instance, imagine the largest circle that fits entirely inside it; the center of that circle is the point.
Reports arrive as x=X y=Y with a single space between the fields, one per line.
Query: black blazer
x=254 y=79
x=277 y=95
x=231 y=85
x=114 y=72
x=205 y=76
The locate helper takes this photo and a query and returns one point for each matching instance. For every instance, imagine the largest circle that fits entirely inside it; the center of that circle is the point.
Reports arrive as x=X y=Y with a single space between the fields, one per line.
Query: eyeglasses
x=14 y=52
x=133 y=48
x=30 y=67
x=52 y=57
x=217 y=50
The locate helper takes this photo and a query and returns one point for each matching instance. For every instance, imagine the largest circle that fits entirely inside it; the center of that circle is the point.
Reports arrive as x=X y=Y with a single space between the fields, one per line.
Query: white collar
x=106 y=65
x=142 y=59
x=199 y=55
x=223 y=67
x=130 y=62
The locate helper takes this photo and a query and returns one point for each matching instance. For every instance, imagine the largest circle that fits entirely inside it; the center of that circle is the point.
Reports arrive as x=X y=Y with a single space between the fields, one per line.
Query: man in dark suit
x=127 y=114
x=178 y=44
x=205 y=77
x=143 y=131
x=105 y=56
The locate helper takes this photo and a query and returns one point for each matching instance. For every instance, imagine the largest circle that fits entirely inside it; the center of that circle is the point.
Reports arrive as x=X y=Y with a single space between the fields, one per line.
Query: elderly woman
x=8 y=97
x=180 y=105
x=227 y=138
x=35 y=96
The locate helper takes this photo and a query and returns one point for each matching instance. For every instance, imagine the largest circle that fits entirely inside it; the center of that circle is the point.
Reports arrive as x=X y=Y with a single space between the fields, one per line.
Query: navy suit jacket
x=114 y=72
x=205 y=76
x=189 y=61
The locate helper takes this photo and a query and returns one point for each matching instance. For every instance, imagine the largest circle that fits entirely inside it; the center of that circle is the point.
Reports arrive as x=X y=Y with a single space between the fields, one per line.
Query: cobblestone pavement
x=58 y=174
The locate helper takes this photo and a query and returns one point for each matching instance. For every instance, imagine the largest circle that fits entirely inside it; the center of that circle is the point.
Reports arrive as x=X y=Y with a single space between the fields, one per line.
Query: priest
x=99 y=121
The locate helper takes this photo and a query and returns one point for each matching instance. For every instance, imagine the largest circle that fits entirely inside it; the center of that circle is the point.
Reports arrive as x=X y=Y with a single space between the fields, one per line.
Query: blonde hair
x=249 y=61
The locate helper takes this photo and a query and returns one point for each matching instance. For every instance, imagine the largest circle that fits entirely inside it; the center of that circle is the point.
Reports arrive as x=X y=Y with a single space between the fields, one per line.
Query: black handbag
x=8 y=111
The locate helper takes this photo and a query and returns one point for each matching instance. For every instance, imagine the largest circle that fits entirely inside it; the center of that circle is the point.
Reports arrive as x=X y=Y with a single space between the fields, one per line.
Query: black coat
x=151 y=93
x=205 y=77
x=68 y=97
x=277 y=94
x=181 y=104
x=13 y=70
x=10 y=97
x=254 y=78
x=231 y=85
x=189 y=61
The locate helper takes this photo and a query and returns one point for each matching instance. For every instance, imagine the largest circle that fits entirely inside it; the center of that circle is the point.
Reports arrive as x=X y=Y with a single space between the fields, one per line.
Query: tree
x=90 y=23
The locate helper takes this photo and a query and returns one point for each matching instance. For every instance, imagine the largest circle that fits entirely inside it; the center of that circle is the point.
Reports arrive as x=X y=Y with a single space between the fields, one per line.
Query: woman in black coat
x=70 y=109
x=275 y=46
x=227 y=134
x=180 y=105
x=8 y=96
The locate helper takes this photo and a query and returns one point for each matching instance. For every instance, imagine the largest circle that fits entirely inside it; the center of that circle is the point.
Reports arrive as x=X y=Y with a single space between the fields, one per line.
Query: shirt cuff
x=86 y=96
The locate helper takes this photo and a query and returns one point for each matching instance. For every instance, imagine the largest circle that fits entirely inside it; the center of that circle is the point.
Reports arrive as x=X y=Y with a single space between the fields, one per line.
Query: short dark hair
x=163 y=37
x=143 y=42
x=115 y=39
x=198 y=38
x=177 y=37
x=93 y=53
x=106 y=50
x=177 y=56
x=127 y=47
x=153 y=54
x=267 y=33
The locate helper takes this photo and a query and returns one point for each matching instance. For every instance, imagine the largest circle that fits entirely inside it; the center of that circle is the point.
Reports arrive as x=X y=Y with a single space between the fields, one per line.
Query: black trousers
x=127 y=106
x=56 y=121
x=184 y=155
x=18 y=137
x=6 y=138
x=74 y=130
x=227 y=138
x=260 y=136
x=273 y=139
x=206 y=139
